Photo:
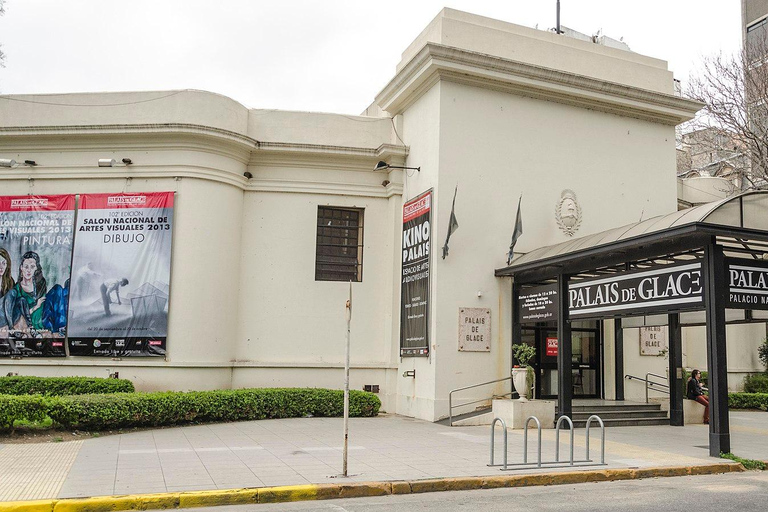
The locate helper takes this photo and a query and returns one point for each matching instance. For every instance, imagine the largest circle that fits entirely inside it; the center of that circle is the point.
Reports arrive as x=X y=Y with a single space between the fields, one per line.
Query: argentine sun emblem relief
x=568 y=212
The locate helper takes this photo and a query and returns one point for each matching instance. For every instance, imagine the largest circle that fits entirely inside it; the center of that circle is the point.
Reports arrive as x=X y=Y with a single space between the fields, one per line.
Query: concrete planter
x=520 y=380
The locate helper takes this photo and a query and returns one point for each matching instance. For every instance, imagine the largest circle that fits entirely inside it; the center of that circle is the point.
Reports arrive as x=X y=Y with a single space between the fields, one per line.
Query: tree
x=734 y=90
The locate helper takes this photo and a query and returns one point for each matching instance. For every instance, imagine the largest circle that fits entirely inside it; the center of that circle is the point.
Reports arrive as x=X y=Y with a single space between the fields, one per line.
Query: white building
x=499 y=110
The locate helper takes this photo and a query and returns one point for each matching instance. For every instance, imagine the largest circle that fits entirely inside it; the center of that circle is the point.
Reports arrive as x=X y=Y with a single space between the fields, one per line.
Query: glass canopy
x=748 y=211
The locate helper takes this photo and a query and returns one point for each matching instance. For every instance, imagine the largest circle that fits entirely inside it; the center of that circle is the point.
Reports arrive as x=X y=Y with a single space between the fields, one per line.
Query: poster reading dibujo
x=121 y=271
x=35 y=255
x=414 y=287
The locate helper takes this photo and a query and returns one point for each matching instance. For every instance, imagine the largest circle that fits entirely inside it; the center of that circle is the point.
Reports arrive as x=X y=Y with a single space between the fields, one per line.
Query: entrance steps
x=613 y=414
x=619 y=414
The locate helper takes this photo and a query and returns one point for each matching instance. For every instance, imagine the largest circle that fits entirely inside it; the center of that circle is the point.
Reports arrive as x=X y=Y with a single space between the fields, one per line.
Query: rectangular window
x=339 y=252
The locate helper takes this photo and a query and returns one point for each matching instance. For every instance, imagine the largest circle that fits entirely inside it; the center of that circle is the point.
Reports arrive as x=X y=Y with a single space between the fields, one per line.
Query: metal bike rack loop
x=602 y=438
x=557 y=437
x=525 y=440
x=493 y=437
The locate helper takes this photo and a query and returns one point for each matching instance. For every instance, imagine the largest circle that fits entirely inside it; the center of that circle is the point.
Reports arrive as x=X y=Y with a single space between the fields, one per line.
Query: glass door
x=586 y=370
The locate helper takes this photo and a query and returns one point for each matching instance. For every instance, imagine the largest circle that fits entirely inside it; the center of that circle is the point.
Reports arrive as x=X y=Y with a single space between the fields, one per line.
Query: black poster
x=670 y=288
x=537 y=304
x=414 y=286
x=747 y=284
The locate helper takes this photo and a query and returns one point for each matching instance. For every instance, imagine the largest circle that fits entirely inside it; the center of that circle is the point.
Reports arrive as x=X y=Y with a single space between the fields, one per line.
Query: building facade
x=488 y=112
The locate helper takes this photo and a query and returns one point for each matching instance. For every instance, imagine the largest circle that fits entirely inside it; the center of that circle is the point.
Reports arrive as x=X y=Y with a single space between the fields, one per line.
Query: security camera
x=248 y=175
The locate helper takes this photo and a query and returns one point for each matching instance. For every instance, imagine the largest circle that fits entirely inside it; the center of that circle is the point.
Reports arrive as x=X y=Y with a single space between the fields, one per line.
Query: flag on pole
x=453 y=224
x=516 y=233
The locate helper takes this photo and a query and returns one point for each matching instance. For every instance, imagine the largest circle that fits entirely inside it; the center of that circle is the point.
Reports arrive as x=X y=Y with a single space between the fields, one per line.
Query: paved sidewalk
x=308 y=450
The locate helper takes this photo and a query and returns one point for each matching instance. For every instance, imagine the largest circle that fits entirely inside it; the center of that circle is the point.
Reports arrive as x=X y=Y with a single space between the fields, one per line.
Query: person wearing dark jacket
x=696 y=392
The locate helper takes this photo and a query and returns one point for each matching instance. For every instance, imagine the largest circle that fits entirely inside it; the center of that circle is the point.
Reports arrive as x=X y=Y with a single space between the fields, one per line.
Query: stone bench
x=515 y=412
x=693 y=412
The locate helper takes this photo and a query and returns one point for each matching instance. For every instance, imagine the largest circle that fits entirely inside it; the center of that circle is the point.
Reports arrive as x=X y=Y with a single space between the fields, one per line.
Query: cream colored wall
x=189 y=106
x=206 y=218
x=637 y=365
x=287 y=316
x=421 y=131
x=496 y=146
x=741 y=351
x=542 y=48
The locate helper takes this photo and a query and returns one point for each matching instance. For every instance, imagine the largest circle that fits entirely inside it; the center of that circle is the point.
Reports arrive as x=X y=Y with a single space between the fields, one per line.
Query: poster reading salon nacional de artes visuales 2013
x=121 y=271
x=35 y=255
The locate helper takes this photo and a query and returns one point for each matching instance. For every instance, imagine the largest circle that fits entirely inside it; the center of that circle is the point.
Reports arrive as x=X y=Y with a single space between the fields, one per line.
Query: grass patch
x=44 y=424
x=747 y=463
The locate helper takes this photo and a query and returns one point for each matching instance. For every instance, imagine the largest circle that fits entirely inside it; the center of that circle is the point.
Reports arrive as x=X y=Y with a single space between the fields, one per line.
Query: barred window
x=339 y=253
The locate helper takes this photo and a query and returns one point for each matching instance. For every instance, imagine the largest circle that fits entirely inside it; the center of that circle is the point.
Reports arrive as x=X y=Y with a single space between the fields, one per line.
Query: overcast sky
x=331 y=56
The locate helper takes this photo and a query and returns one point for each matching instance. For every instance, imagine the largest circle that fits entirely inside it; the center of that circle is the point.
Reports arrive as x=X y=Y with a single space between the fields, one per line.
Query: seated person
x=696 y=392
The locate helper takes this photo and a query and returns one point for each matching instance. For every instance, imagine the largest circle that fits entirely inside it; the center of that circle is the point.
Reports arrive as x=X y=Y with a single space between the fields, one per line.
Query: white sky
x=331 y=56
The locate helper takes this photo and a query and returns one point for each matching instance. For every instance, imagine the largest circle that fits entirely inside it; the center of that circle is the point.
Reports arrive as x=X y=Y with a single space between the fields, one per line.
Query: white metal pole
x=346 y=381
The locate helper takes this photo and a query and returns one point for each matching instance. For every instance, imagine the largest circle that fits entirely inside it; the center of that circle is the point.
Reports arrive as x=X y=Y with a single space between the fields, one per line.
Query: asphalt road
x=739 y=491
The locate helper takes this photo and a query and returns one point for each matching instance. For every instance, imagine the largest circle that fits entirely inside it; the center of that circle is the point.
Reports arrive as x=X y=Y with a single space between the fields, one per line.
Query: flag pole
x=346 y=382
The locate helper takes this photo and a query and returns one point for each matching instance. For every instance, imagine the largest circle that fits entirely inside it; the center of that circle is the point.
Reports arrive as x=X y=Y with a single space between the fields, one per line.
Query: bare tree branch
x=734 y=89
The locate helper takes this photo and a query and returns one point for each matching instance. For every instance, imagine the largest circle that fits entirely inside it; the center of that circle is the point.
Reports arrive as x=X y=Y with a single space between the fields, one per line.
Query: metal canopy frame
x=734 y=227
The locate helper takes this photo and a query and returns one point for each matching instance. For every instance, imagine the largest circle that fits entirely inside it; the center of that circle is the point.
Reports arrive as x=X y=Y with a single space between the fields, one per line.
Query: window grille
x=339 y=249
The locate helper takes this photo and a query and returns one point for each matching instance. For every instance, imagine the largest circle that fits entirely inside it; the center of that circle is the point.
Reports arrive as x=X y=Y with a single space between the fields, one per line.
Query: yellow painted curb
x=351 y=490
x=214 y=498
x=27 y=506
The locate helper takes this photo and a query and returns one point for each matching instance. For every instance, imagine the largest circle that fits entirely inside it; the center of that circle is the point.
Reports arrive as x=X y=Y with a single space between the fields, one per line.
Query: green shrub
x=13 y=408
x=121 y=410
x=58 y=386
x=748 y=401
x=757 y=383
x=762 y=352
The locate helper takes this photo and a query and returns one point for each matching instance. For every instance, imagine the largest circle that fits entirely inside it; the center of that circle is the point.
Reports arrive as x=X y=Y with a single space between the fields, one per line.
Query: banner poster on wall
x=35 y=255
x=414 y=287
x=121 y=271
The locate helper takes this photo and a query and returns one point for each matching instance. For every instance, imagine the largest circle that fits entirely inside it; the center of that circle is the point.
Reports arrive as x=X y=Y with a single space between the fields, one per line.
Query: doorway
x=586 y=360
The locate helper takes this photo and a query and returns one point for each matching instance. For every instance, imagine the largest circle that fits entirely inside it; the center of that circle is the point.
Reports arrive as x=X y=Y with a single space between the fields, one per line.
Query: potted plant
x=523 y=354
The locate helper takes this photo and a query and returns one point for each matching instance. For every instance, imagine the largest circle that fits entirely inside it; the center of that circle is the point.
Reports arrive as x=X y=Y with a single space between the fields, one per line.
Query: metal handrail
x=493 y=438
x=649 y=383
x=450 y=396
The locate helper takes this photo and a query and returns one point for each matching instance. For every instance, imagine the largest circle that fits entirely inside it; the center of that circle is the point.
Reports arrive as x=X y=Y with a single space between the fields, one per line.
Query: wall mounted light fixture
x=383 y=166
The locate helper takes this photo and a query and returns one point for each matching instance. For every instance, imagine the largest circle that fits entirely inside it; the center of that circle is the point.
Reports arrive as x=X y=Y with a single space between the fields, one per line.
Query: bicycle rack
x=557 y=437
x=493 y=438
x=602 y=437
x=525 y=440
x=557 y=463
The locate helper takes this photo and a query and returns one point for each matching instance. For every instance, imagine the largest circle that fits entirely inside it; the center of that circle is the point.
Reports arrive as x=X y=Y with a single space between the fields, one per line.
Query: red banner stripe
x=128 y=200
x=418 y=206
x=36 y=203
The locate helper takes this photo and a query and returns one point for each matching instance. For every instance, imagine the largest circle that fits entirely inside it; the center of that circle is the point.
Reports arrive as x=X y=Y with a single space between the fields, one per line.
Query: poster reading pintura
x=414 y=286
x=36 y=235
x=121 y=271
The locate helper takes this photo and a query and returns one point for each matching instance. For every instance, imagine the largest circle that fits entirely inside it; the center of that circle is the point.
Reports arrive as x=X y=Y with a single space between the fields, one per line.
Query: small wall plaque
x=474 y=330
x=654 y=341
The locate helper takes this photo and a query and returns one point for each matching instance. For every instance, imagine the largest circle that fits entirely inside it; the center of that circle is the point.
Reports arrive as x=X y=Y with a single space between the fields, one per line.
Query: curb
x=352 y=490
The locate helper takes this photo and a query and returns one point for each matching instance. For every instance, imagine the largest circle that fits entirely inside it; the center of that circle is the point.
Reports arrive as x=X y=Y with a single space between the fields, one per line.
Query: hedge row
x=122 y=410
x=748 y=401
x=12 y=408
x=756 y=383
x=59 y=386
